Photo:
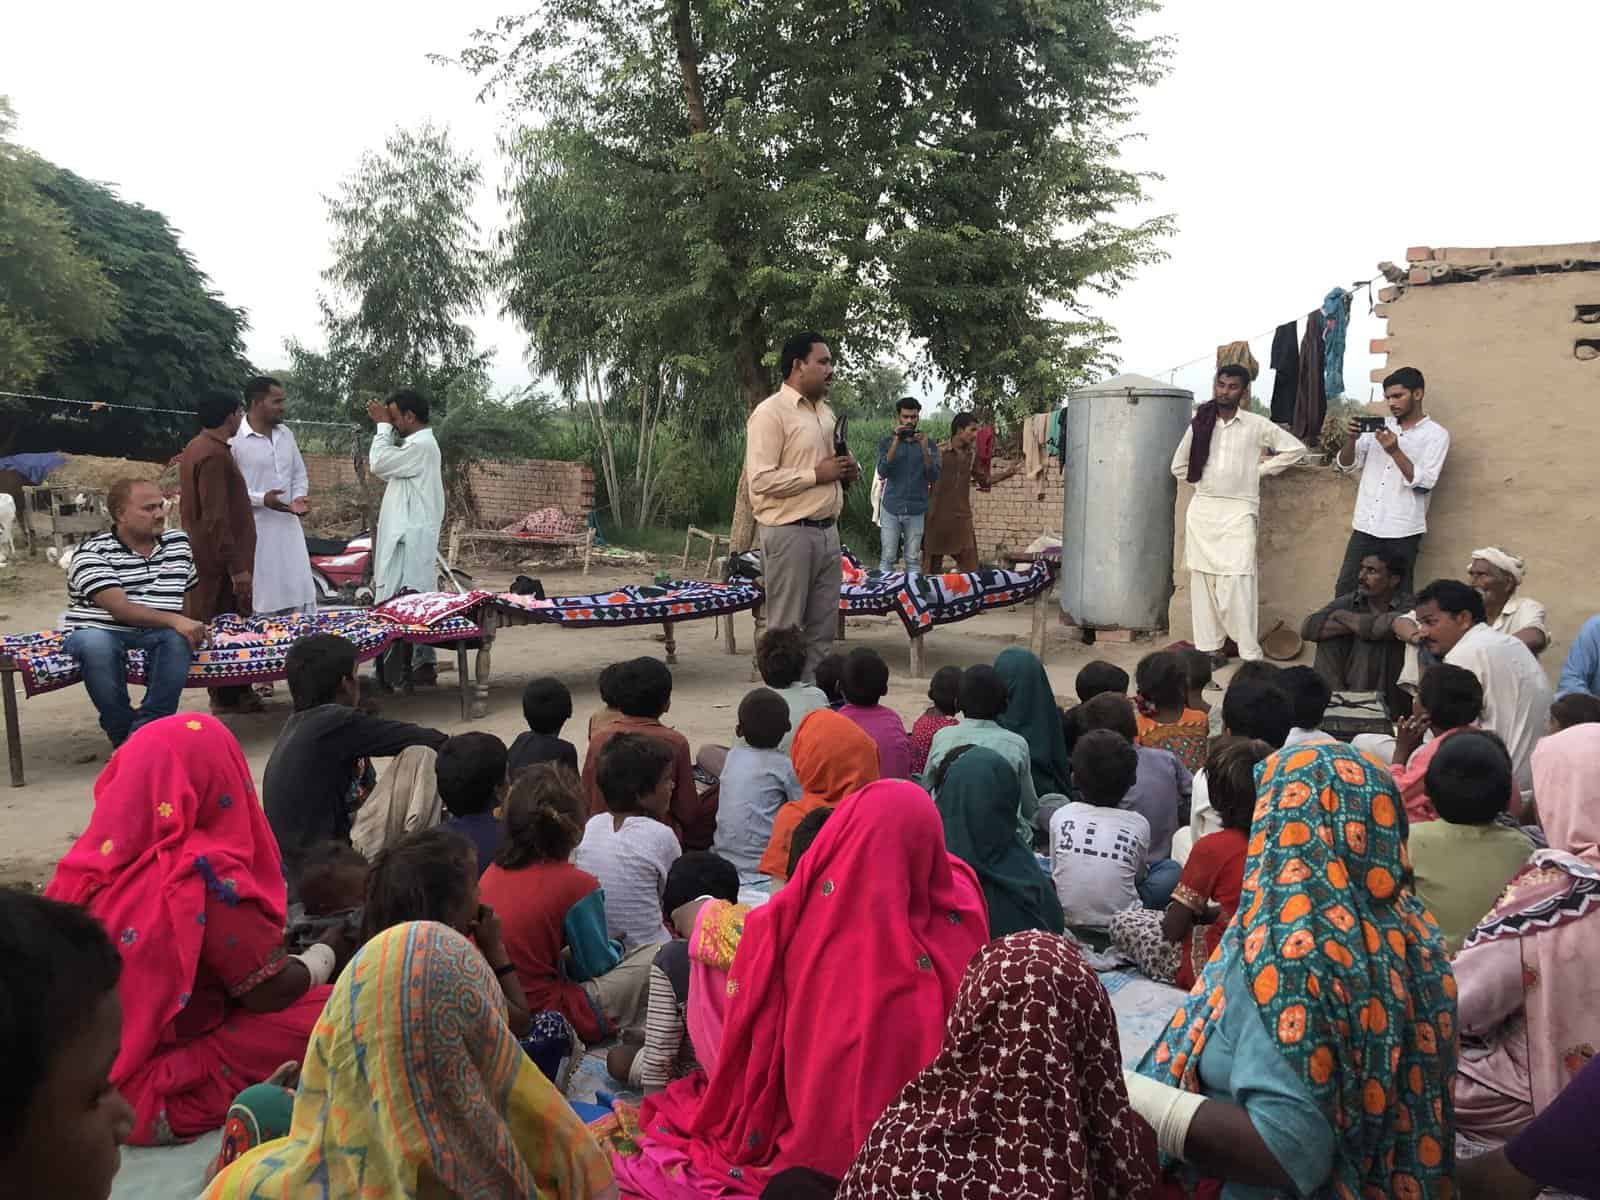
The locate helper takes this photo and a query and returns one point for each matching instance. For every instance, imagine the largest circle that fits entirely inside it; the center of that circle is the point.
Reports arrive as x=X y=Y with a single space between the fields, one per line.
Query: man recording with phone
x=1399 y=459
x=908 y=466
x=794 y=467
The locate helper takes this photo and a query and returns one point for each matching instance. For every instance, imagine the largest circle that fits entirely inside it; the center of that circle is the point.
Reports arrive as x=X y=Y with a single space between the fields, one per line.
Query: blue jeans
x=893 y=529
x=102 y=657
x=1155 y=891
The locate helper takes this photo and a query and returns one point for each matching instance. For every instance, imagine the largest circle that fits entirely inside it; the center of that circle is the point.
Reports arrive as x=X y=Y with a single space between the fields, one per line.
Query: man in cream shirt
x=796 y=496
x=1222 y=455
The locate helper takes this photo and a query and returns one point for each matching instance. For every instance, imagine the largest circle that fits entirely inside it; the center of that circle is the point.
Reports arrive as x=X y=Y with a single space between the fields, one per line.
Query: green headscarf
x=978 y=803
x=1031 y=711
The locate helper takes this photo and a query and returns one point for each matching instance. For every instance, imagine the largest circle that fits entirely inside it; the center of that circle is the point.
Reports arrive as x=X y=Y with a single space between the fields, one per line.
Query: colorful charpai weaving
x=681 y=600
x=244 y=650
x=923 y=601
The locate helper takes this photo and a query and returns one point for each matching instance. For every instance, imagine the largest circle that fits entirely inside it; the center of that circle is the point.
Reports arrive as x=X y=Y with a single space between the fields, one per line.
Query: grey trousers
x=801 y=570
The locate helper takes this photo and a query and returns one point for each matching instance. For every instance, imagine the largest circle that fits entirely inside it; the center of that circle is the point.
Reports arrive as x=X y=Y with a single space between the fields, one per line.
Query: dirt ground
x=63 y=748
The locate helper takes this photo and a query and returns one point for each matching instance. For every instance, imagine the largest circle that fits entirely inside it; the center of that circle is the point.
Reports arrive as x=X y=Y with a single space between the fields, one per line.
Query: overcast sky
x=1300 y=144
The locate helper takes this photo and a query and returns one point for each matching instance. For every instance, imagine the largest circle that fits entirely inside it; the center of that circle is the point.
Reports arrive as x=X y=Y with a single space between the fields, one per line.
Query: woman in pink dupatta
x=836 y=998
x=180 y=866
x=1528 y=975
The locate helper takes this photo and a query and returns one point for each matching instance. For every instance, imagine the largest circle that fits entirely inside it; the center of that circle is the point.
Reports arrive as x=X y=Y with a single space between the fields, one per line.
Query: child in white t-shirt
x=630 y=848
x=1097 y=850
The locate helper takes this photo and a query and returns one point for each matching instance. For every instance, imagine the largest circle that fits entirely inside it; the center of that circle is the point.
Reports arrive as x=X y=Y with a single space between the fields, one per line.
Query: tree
x=407 y=268
x=172 y=340
x=944 y=172
x=51 y=292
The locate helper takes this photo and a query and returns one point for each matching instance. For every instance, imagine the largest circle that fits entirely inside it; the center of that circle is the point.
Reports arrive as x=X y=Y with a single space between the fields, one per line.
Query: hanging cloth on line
x=1285 y=372
x=983 y=455
x=1336 y=320
x=1238 y=354
x=1310 y=400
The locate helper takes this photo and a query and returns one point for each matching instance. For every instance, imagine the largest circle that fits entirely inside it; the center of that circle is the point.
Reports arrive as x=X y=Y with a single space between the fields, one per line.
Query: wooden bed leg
x=919 y=658
x=480 y=701
x=1036 y=634
x=672 y=643
x=730 y=640
x=759 y=616
x=8 y=691
x=840 y=636
x=464 y=681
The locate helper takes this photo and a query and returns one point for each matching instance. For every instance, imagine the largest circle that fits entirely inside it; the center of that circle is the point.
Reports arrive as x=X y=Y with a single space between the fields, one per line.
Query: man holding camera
x=1399 y=458
x=908 y=466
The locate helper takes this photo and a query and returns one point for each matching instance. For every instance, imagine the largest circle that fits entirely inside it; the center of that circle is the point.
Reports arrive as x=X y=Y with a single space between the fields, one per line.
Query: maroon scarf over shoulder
x=1203 y=426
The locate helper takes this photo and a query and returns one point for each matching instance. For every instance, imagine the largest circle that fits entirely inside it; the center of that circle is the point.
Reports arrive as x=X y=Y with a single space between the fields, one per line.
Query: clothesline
x=1171 y=372
x=175 y=412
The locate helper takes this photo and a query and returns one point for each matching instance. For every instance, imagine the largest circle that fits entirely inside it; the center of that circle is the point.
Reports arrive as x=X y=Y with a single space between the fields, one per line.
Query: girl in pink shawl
x=1528 y=976
x=836 y=997
x=180 y=866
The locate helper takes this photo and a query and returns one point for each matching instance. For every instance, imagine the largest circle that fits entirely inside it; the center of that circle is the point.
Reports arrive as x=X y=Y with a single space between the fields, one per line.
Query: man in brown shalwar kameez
x=222 y=531
x=949 y=528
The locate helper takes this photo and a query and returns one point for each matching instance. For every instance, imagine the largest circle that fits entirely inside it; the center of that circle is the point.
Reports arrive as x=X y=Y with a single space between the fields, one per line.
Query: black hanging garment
x=1285 y=373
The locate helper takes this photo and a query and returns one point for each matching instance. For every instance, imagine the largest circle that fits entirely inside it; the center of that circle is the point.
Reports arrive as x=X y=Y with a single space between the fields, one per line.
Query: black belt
x=808 y=523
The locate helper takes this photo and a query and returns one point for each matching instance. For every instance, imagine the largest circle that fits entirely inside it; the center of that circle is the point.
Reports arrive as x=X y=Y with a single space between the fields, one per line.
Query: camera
x=1370 y=424
x=906 y=435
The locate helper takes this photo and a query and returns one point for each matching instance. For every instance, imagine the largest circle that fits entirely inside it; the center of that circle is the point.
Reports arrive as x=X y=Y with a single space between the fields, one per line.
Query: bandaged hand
x=1169 y=1110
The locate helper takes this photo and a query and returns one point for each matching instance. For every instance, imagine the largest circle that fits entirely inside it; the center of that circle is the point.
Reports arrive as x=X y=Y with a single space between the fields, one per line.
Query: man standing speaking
x=794 y=471
x=407 y=545
x=1222 y=455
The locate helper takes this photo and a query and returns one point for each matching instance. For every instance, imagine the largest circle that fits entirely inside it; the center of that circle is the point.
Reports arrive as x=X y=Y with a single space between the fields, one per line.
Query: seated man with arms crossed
x=1356 y=647
x=125 y=591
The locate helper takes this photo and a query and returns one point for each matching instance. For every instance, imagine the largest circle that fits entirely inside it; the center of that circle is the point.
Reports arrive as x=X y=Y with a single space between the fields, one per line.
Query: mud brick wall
x=503 y=491
x=1010 y=516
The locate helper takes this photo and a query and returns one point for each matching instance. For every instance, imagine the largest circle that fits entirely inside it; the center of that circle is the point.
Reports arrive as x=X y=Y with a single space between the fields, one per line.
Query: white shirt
x=272 y=463
x=1386 y=505
x=1234 y=468
x=1516 y=694
x=631 y=864
x=412 y=512
x=1096 y=857
x=1220 y=525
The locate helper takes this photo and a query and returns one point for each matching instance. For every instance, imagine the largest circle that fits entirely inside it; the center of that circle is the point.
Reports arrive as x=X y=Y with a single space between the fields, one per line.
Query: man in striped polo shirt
x=125 y=592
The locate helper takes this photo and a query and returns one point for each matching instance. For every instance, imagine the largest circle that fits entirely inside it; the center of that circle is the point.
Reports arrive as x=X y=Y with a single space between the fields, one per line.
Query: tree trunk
x=594 y=399
x=755 y=385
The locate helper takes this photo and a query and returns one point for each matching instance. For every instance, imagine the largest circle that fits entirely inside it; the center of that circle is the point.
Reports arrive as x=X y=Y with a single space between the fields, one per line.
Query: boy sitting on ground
x=781 y=658
x=333 y=888
x=829 y=677
x=1463 y=861
x=944 y=695
x=630 y=848
x=642 y=690
x=471 y=770
x=1575 y=708
x=1098 y=848
x=667 y=1052
x=983 y=698
x=1309 y=695
x=757 y=779
x=1096 y=679
x=1160 y=794
x=1255 y=708
x=865 y=683
x=1449 y=700
x=1174 y=946
x=546 y=706
x=606 y=686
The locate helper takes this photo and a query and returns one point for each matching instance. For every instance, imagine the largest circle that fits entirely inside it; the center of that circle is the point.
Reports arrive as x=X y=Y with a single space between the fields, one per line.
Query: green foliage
x=51 y=293
x=407 y=268
x=717 y=173
x=173 y=339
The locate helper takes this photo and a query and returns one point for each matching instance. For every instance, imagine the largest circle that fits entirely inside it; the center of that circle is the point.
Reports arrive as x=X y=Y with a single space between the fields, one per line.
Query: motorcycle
x=342 y=571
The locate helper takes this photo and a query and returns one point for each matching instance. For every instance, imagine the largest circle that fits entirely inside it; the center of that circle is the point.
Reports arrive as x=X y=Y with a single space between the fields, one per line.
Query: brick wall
x=1015 y=512
x=503 y=491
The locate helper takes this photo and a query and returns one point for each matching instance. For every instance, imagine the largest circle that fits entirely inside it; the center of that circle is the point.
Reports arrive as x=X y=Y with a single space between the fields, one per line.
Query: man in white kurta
x=275 y=476
x=1220 y=530
x=412 y=515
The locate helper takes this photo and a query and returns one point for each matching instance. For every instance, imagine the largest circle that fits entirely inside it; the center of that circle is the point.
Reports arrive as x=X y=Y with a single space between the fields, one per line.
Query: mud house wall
x=1523 y=413
x=503 y=491
x=1013 y=513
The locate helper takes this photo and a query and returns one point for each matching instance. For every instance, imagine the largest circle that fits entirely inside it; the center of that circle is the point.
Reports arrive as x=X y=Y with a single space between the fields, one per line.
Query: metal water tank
x=1116 y=552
